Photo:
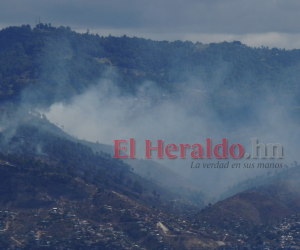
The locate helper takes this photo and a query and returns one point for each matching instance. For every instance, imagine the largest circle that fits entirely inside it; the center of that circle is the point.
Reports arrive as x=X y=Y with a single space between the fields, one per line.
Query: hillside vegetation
x=53 y=64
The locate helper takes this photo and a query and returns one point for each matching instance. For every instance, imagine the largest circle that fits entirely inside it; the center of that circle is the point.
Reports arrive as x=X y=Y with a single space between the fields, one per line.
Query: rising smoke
x=104 y=113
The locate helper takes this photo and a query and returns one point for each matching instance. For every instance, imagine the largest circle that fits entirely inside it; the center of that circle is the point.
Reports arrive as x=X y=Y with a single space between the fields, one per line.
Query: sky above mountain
x=256 y=22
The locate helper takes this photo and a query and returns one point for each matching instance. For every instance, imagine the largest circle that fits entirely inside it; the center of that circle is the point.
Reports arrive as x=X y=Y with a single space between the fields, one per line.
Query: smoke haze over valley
x=66 y=95
x=186 y=115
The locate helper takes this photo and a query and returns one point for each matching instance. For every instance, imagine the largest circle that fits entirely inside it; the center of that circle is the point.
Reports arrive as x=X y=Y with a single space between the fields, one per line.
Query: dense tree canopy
x=53 y=64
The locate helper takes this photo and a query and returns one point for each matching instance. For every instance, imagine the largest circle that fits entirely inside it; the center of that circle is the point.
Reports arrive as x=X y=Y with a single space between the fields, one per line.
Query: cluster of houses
x=162 y=227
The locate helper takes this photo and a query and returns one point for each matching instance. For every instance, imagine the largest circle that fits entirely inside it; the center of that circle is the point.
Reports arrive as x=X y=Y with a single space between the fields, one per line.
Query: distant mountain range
x=46 y=64
x=59 y=192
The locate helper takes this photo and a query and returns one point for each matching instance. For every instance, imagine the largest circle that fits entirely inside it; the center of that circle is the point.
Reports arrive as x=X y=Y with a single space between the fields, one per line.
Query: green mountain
x=47 y=64
x=261 y=210
x=58 y=192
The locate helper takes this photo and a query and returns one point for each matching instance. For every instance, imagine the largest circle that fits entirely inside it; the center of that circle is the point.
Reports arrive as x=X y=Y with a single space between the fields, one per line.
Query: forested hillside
x=50 y=183
x=54 y=64
x=61 y=192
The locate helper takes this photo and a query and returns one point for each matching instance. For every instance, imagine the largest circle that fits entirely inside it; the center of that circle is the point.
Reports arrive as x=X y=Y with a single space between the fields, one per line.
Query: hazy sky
x=254 y=22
